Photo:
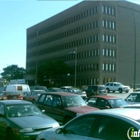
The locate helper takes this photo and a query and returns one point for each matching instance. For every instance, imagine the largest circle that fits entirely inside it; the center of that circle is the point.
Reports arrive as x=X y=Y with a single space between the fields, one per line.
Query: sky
x=16 y=16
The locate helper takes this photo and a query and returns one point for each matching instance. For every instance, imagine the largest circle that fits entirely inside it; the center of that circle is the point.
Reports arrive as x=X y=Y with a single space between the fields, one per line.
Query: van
x=16 y=91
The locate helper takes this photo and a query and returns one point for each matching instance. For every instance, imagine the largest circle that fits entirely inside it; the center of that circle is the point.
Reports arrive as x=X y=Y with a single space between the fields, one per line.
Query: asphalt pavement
x=122 y=95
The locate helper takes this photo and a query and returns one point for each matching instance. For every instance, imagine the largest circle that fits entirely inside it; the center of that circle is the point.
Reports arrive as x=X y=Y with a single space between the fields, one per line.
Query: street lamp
x=68 y=78
x=134 y=51
x=36 y=69
x=75 y=66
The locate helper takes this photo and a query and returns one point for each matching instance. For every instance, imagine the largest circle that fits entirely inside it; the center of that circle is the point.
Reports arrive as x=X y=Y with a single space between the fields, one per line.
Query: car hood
x=82 y=109
x=34 y=121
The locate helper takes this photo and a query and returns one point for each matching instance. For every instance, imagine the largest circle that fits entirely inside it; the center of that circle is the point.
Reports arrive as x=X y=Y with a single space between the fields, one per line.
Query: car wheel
x=120 y=90
x=10 y=134
x=33 y=101
x=107 y=90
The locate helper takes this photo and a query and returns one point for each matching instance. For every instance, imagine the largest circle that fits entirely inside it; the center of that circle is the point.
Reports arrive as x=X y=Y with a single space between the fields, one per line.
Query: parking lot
x=122 y=95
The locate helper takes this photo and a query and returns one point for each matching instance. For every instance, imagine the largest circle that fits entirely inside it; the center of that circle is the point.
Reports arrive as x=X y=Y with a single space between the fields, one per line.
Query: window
x=103 y=67
x=57 y=101
x=81 y=126
x=106 y=129
x=48 y=100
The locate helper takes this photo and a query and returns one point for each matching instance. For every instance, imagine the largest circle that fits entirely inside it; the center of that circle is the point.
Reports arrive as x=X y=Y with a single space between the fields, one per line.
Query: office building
x=104 y=34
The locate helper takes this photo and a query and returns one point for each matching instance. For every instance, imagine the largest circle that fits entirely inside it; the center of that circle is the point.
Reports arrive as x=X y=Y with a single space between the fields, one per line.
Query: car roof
x=8 y=102
x=127 y=112
x=61 y=93
x=106 y=97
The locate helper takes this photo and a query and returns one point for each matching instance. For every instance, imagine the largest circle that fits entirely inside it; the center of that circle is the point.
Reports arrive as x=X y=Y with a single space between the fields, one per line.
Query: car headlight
x=26 y=130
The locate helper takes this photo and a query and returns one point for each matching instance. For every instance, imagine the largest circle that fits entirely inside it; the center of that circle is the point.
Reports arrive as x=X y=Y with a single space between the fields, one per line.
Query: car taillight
x=20 y=96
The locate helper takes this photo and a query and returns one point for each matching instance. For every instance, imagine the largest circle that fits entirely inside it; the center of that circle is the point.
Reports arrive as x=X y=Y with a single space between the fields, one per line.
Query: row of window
x=108 y=67
x=109 y=52
x=81 y=81
x=108 y=10
x=109 y=24
x=67 y=21
x=67 y=45
x=109 y=38
x=91 y=67
x=67 y=33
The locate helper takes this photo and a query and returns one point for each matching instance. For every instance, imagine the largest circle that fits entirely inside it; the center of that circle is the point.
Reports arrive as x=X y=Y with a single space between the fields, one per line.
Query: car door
x=3 y=121
x=45 y=103
x=57 y=109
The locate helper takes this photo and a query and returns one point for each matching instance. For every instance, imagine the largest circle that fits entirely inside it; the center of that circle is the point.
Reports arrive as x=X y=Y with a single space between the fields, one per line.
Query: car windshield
x=117 y=102
x=71 y=101
x=22 y=110
x=102 y=88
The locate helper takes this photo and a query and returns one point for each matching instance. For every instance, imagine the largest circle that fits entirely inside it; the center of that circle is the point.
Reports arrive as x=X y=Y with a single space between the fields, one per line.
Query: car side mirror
x=107 y=107
x=59 y=131
x=43 y=111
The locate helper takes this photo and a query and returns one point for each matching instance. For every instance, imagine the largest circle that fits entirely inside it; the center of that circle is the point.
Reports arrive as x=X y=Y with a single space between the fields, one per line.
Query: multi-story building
x=104 y=34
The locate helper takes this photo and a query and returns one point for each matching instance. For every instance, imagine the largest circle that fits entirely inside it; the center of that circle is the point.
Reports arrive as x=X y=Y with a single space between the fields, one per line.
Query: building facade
x=103 y=34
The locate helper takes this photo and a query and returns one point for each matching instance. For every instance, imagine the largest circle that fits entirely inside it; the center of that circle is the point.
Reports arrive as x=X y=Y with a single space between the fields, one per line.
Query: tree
x=53 y=69
x=13 y=72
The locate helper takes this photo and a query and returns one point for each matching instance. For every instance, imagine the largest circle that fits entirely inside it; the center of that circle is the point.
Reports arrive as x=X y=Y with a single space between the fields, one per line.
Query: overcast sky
x=18 y=15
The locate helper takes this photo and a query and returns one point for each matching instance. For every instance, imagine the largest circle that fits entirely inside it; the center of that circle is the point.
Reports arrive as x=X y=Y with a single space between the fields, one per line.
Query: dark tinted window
x=112 y=129
x=81 y=126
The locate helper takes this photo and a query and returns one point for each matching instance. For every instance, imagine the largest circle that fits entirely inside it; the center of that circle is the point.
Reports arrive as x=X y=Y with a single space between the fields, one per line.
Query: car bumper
x=29 y=136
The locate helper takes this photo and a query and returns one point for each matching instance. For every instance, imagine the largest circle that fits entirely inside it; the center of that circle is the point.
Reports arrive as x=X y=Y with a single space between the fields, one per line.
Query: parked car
x=38 y=88
x=116 y=86
x=33 y=96
x=55 y=89
x=77 y=91
x=106 y=102
x=21 y=119
x=15 y=91
x=94 y=90
x=133 y=98
x=65 y=87
x=63 y=106
x=108 y=124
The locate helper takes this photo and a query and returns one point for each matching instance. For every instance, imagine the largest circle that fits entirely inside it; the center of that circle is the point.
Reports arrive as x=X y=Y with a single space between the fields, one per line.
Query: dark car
x=94 y=90
x=105 y=102
x=77 y=91
x=21 y=120
x=108 y=124
x=63 y=106
x=133 y=98
x=55 y=89
x=38 y=88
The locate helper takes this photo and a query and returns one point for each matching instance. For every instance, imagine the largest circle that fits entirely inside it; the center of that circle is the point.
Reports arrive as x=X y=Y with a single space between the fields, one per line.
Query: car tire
x=33 y=101
x=10 y=134
x=120 y=90
x=108 y=91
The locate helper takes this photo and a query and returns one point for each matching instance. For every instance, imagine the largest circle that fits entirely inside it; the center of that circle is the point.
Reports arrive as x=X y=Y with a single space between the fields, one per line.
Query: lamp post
x=75 y=66
x=134 y=52
x=68 y=78
x=36 y=69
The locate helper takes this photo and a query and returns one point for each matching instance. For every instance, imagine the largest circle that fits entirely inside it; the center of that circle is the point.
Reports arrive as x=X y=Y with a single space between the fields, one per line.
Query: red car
x=105 y=102
x=63 y=106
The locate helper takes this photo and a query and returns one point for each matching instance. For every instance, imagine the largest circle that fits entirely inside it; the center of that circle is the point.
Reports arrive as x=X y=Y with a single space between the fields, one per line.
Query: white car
x=116 y=86
x=109 y=124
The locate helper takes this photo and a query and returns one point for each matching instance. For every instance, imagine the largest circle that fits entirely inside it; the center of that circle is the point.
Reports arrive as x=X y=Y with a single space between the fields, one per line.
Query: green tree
x=13 y=72
x=53 y=70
